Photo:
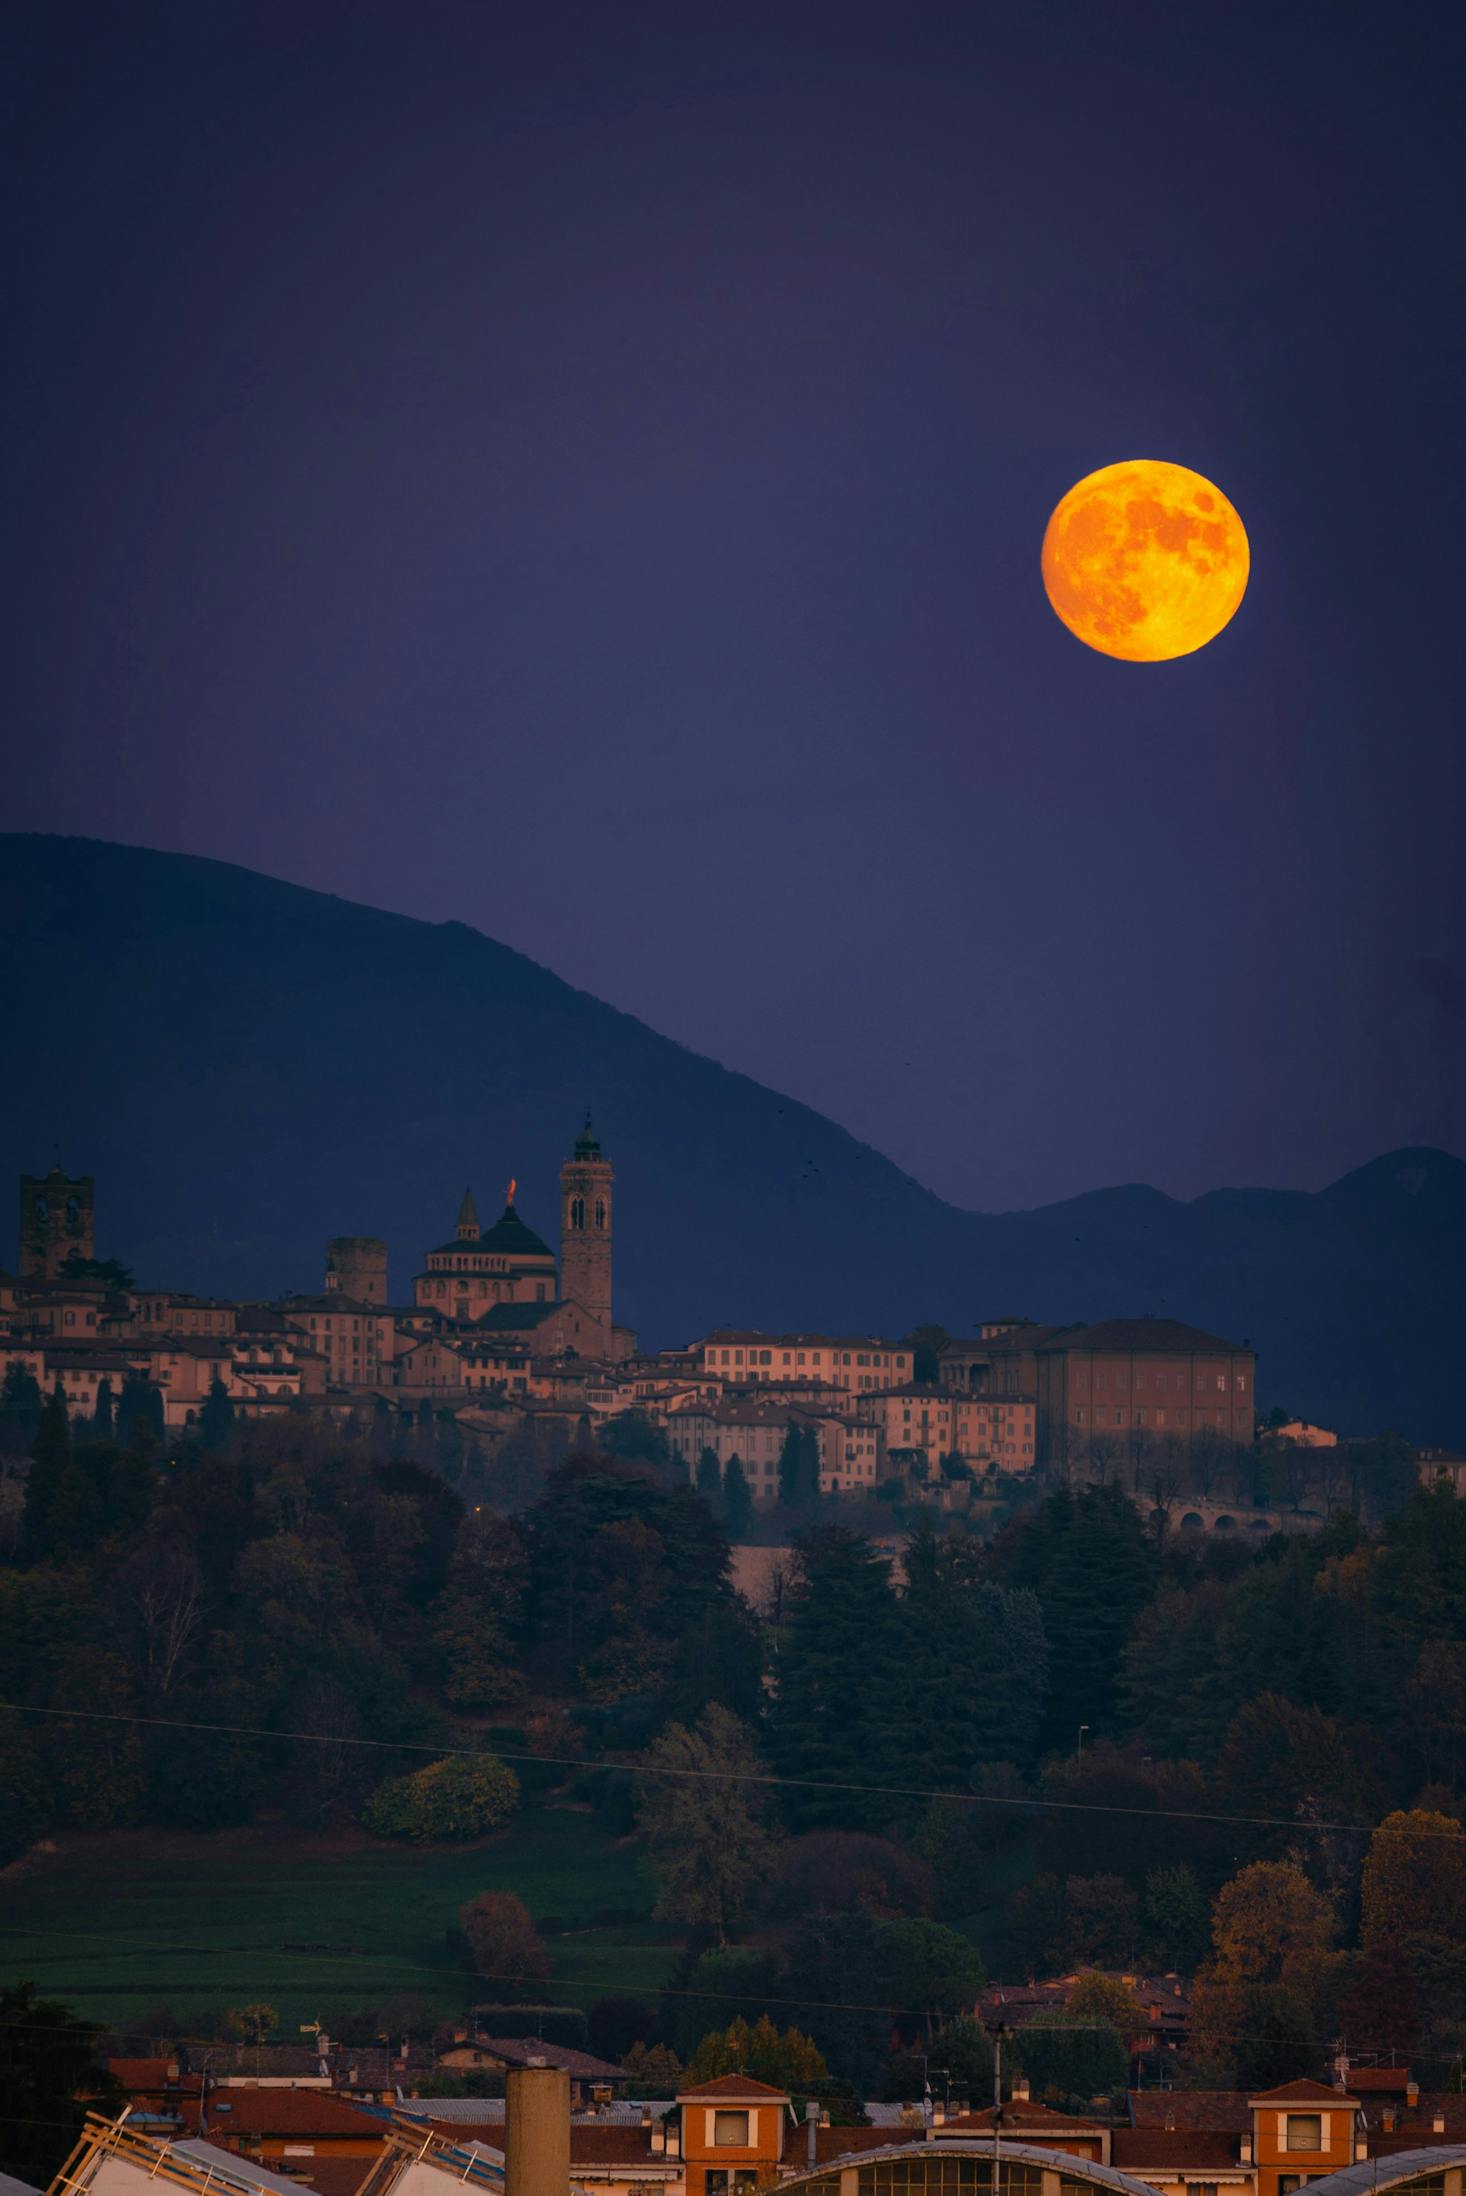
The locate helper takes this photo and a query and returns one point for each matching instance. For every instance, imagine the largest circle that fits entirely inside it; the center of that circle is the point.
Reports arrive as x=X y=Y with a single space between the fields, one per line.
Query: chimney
x=659 y=2138
x=1438 y=2124
x=536 y=2130
x=1412 y=2093
x=674 y=2136
x=1387 y=2119
x=1244 y=2150
x=811 y=2133
x=1020 y=2089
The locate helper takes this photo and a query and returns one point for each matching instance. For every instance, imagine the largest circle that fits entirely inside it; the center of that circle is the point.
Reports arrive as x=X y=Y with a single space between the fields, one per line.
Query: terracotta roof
x=143 y=2074
x=731 y=2085
x=529 y=2050
x=334 y=2176
x=1167 y=1337
x=836 y=2142
x=278 y=2112
x=1305 y=2091
x=1020 y=2113
x=1218 y=2111
x=1179 y=2147
x=506 y=1318
x=1363 y=2079
x=821 y=1341
x=594 y=2144
x=1416 y=2123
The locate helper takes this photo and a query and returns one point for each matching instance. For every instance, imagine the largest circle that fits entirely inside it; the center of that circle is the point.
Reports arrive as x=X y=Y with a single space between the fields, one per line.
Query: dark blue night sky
x=581 y=471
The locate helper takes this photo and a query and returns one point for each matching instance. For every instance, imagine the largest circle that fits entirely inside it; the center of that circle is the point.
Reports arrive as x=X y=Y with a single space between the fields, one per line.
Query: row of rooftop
x=1373 y=2128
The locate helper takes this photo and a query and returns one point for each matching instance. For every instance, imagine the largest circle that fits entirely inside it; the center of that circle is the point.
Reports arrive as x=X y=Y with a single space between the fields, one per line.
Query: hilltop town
x=506 y=1342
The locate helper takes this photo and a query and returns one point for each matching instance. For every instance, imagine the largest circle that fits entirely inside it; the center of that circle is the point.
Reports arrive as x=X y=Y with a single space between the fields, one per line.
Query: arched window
x=600 y=1212
x=577 y=1212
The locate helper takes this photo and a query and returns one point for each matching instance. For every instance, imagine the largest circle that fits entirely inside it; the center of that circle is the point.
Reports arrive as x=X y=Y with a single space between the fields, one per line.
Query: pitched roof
x=279 y=2112
x=1146 y=1335
x=731 y=2085
x=1178 y=2147
x=1303 y=2091
x=835 y=2142
x=1019 y=2112
x=136 y=2075
x=506 y=1318
x=509 y=1237
x=1364 y=2079
x=335 y=2176
x=533 y=2050
x=1219 y=2111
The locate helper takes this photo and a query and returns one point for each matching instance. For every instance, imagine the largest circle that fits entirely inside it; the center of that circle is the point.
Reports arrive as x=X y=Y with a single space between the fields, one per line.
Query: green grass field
x=117 y=1924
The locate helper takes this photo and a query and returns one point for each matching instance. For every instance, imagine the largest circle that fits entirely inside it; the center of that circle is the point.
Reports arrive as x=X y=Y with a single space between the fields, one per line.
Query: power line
x=763 y=1778
x=143 y=1943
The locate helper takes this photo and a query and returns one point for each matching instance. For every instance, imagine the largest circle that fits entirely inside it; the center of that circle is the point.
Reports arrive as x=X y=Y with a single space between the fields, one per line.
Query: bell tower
x=585 y=1228
x=56 y=1221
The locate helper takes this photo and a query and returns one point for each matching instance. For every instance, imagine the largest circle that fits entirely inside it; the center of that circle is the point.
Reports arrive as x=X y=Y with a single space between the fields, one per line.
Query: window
x=731 y=2128
x=577 y=1212
x=1304 y=2131
x=600 y=1212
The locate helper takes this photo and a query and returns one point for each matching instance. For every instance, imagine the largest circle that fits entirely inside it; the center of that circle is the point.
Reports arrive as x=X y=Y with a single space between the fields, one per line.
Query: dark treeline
x=1077 y=1745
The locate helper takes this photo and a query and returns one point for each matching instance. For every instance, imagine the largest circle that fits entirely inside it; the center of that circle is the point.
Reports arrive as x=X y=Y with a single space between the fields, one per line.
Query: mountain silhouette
x=249 y=1067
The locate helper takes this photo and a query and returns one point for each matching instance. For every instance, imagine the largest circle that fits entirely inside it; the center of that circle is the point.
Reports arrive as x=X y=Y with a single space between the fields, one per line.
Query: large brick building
x=1103 y=1384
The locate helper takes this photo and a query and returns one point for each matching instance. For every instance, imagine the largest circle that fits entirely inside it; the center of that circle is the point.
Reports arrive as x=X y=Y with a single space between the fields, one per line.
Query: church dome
x=509 y=1237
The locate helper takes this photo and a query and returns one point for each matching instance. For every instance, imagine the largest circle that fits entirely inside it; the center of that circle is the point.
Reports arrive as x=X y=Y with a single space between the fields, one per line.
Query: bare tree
x=161 y=1592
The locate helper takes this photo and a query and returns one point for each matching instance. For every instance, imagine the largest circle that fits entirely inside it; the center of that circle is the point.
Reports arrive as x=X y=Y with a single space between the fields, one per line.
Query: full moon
x=1145 y=560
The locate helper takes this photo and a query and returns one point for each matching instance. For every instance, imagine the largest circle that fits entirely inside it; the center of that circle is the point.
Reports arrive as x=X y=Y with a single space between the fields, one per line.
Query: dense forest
x=1078 y=1745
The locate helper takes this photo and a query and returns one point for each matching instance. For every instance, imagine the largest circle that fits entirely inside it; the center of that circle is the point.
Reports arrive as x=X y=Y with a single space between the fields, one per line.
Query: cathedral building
x=504 y=1279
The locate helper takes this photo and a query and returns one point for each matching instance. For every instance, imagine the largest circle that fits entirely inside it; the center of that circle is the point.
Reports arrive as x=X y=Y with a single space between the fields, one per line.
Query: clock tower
x=585 y=1229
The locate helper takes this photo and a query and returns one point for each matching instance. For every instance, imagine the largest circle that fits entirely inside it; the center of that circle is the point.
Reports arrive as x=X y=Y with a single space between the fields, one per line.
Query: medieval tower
x=356 y=1266
x=56 y=1222
x=585 y=1228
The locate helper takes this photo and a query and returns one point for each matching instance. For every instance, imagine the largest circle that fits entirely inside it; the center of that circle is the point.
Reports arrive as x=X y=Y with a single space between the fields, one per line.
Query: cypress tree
x=50 y=1455
x=20 y=1410
x=102 y=1416
x=799 y=1467
x=140 y=1410
x=1098 y=1579
x=710 y=1481
x=737 y=1499
x=216 y=1419
x=836 y=1677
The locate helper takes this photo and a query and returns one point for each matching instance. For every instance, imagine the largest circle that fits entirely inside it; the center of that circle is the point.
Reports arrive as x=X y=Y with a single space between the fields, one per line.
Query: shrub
x=464 y=1796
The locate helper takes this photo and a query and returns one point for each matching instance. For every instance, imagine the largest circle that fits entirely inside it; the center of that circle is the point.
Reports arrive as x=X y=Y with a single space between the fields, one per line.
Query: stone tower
x=585 y=1228
x=356 y=1265
x=56 y=1222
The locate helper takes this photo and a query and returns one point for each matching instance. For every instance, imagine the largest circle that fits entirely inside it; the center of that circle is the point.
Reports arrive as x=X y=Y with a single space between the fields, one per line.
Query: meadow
x=121 y=1922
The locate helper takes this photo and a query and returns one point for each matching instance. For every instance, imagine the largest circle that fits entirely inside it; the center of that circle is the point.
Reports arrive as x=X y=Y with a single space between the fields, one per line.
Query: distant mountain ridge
x=249 y=1067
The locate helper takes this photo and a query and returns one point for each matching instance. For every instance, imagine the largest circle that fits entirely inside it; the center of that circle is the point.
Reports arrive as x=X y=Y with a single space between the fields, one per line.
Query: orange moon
x=1145 y=560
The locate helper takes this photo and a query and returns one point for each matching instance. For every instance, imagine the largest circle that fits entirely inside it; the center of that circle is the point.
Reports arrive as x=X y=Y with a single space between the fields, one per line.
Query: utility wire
x=719 y=1776
x=142 y=1943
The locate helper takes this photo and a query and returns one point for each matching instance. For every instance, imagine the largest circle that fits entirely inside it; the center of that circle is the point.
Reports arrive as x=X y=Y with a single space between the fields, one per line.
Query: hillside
x=249 y=1067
